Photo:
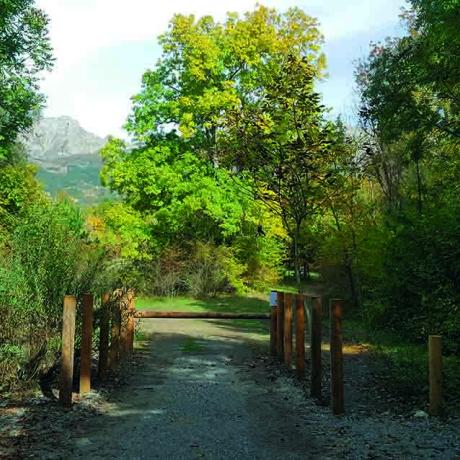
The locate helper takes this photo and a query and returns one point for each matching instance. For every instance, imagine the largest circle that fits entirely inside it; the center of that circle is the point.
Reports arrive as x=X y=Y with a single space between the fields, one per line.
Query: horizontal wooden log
x=199 y=315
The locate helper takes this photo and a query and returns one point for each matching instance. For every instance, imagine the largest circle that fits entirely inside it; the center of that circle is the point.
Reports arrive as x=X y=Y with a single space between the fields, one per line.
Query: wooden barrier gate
x=199 y=315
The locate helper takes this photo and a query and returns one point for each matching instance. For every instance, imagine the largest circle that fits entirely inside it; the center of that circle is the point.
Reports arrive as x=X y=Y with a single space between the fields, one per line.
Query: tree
x=411 y=83
x=411 y=96
x=410 y=106
x=181 y=196
x=207 y=71
x=208 y=68
x=25 y=51
x=350 y=209
x=283 y=145
x=18 y=188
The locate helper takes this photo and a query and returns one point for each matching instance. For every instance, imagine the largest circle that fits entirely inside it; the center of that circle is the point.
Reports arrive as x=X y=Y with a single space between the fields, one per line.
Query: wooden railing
x=290 y=306
x=116 y=340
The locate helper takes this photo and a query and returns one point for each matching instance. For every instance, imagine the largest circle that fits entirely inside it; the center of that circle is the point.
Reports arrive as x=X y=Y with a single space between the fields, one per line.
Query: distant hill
x=68 y=158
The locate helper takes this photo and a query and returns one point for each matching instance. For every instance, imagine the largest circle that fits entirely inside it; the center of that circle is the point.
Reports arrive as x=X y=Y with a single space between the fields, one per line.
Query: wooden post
x=68 y=342
x=280 y=325
x=130 y=325
x=300 y=336
x=273 y=330
x=104 y=329
x=435 y=373
x=115 y=335
x=86 y=342
x=337 y=392
x=124 y=314
x=315 y=347
x=288 y=330
x=273 y=324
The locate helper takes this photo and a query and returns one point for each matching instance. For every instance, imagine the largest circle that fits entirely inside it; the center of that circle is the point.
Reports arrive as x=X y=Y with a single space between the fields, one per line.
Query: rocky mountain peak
x=67 y=158
x=60 y=137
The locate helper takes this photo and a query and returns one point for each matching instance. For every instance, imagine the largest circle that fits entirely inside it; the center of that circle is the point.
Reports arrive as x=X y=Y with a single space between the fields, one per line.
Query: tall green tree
x=283 y=145
x=182 y=196
x=411 y=83
x=410 y=96
x=208 y=70
x=25 y=51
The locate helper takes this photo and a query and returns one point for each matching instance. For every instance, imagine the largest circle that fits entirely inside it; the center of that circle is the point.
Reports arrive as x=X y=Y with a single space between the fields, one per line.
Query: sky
x=102 y=48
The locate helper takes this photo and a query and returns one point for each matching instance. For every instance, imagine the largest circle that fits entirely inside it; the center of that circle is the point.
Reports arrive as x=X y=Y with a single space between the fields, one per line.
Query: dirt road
x=201 y=389
x=201 y=393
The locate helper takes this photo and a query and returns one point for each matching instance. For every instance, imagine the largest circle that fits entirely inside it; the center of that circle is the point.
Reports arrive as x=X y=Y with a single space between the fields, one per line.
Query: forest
x=234 y=178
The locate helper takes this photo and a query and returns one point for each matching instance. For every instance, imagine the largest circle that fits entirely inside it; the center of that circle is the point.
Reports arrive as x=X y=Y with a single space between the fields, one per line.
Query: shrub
x=165 y=274
x=262 y=259
x=46 y=258
x=205 y=268
x=422 y=286
x=212 y=269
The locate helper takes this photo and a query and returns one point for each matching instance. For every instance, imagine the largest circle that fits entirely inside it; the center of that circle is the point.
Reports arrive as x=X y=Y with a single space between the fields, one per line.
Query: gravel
x=203 y=389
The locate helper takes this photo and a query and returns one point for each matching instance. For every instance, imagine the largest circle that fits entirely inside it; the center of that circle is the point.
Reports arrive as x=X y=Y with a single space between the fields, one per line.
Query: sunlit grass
x=235 y=304
x=253 y=303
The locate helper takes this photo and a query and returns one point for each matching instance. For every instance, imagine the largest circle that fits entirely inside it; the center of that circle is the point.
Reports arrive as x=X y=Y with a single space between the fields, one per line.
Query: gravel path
x=197 y=395
x=207 y=390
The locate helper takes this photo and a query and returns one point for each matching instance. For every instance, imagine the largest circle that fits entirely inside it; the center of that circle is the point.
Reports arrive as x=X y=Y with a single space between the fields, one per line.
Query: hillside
x=67 y=157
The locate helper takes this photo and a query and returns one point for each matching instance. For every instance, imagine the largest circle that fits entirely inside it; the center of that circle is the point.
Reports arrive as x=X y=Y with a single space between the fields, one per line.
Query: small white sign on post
x=273 y=299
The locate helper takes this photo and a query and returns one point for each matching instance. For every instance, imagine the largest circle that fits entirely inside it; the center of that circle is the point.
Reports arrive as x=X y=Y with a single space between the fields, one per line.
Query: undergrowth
x=403 y=366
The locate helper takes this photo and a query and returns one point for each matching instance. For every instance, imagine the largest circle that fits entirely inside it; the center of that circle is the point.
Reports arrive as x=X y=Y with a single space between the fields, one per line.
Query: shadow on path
x=199 y=392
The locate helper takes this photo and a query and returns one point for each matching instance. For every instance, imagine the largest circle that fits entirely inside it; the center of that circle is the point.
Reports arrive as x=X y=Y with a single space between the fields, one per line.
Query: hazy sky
x=103 y=47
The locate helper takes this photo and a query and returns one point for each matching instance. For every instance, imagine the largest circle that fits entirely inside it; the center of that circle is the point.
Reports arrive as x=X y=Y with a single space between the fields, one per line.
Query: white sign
x=272 y=299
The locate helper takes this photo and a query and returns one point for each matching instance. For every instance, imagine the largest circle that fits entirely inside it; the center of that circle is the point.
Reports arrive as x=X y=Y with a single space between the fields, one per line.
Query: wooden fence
x=290 y=307
x=116 y=338
x=281 y=346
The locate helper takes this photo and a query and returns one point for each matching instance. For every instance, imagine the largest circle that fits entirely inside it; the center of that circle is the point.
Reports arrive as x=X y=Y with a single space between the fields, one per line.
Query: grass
x=403 y=365
x=191 y=345
x=234 y=304
x=254 y=303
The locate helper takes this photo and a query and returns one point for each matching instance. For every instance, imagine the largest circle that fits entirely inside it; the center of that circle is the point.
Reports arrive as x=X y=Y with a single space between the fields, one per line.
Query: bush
x=422 y=287
x=262 y=259
x=164 y=276
x=204 y=269
x=213 y=269
x=46 y=258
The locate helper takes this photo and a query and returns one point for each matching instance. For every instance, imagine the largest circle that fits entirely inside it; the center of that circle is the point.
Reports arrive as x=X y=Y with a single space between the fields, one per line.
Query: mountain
x=68 y=158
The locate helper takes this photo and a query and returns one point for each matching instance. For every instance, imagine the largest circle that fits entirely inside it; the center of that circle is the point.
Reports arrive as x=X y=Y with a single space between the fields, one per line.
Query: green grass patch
x=250 y=325
x=289 y=284
x=256 y=303
x=403 y=365
x=140 y=335
x=234 y=304
x=191 y=345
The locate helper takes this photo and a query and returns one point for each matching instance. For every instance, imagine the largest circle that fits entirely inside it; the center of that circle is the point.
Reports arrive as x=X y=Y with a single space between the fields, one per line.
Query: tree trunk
x=419 y=187
x=306 y=271
x=296 y=256
x=348 y=262
x=354 y=279
x=354 y=288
